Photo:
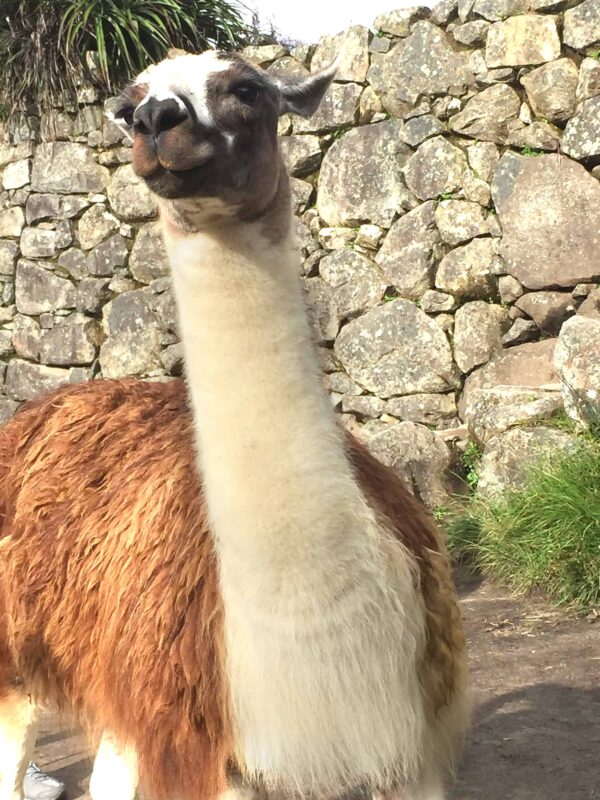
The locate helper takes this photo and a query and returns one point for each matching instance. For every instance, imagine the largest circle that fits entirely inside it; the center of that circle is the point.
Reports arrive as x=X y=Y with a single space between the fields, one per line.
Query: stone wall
x=448 y=206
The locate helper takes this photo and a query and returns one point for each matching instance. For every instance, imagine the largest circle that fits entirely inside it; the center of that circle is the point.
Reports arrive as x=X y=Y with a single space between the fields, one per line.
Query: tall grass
x=46 y=44
x=546 y=536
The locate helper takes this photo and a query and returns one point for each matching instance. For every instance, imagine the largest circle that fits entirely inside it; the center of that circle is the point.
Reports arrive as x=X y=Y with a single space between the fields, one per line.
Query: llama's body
x=289 y=617
x=98 y=623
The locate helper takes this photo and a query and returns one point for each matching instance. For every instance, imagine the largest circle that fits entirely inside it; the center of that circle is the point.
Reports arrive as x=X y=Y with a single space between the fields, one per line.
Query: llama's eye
x=125 y=114
x=246 y=92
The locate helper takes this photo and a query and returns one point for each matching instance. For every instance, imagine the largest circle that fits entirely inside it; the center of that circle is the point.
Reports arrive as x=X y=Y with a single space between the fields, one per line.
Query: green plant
x=470 y=460
x=390 y=294
x=48 y=47
x=545 y=536
x=529 y=151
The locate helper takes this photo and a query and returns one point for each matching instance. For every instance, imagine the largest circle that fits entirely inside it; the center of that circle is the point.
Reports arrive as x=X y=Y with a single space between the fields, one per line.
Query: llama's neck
x=320 y=608
x=272 y=456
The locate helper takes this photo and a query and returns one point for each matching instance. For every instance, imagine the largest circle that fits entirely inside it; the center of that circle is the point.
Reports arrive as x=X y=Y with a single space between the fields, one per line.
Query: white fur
x=184 y=75
x=115 y=773
x=17 y=739
x=323 y=624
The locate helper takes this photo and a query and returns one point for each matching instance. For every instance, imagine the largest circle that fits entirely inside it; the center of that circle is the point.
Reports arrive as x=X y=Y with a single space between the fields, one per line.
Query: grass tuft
x=546 y=536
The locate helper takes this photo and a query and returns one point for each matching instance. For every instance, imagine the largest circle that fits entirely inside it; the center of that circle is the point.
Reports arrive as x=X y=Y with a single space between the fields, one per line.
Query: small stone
x=38 y=289
x=519 y=41
x=171 y=358
x=338 y=109
x=590 y=306
x=490 y=412
x=12 y=221
x=547 y=309
x=263 y=55
x=75 y=262
x=426 y=63
x=368 y=106
x=467 y=271
x=301 y=194
x=360 y=179
x=91 y=294
x=582 y=25
x=323 y=309
x=537 y=136
x=417 y=129
x=368 y=236
x=434 y=302
x=478 y=331
x=521 y=331
x=301 y=154
x=551 y=89
x=458 y=221
x=380 y=44
x=65 y=168
x=133 y=328
x=396 y=349
x=18 y=152
x=8 y=257
x=435 y=169
x=336 y=238
x=528 y=365
x=583 y=290
x=443 y=11
x=400 y=21
x=508 y=457
x=510 y=289
x=356 y=281
x=408 y=252
x=487 y=115
x=364 y=405
x=26 y=335
x=303 y=53
x=477 y=191
x=16 y=174
x=588 y=84
x=288 y=69
x=419 y=457
x=148 y=260
x=72 y=341
x=582 y=134
x=38 y=243
x=577 y=361
x=548 y=207
x=427 y=409
x=95 y=225
x=111 y=253
x=351 y=47
x=483 y=159
x=472 y=33
x=25 y=381
x=129 y=196
x=119 y=284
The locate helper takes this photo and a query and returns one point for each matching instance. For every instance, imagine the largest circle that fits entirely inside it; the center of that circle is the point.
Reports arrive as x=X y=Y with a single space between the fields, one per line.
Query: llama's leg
x=115 y=775
x=17 y=739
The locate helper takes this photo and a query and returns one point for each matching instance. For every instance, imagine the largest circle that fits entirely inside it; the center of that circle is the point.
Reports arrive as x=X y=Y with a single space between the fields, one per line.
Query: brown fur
x=110 y=579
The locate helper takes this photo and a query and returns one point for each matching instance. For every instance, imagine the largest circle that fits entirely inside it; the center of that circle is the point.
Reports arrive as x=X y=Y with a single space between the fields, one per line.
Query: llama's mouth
x=154 y=158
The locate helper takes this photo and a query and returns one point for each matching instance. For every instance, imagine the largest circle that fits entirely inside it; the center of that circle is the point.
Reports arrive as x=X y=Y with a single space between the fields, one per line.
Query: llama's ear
x=303 y=98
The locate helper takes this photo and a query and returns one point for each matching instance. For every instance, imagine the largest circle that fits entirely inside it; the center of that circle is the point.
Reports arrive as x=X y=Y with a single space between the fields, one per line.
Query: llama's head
x=204 y=131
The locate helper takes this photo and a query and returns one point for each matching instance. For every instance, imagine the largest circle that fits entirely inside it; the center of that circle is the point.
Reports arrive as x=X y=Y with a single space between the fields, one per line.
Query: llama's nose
x=157 y=116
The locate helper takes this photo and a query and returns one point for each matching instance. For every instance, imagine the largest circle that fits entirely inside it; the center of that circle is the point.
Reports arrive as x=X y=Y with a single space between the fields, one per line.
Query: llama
x=218 y=580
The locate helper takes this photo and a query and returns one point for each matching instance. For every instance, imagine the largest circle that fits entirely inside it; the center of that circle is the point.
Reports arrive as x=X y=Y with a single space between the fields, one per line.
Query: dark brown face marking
x=206 y=126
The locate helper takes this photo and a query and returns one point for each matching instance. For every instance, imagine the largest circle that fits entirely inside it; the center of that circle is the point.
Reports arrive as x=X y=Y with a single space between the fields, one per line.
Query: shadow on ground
x=538 y=742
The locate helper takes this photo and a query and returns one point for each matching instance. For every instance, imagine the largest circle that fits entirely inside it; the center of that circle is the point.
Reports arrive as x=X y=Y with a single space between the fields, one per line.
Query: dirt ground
x=535 y=675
